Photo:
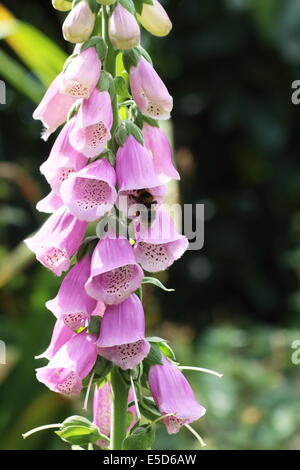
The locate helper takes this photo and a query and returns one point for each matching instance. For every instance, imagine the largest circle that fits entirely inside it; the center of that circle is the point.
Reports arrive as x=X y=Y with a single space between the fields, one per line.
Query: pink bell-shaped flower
x=173 y=394
x=122 y=333
x=158 y=145
x=136 y=176
x=91 y=192
x=149 y=92
x=79 y=24
x=93 y=124
x=115 y=273
x=70 y=365
x=54 y=108
x=63 y=159
x=81 y=75
x=57 y=240
x=158 y=245
x=72 y=304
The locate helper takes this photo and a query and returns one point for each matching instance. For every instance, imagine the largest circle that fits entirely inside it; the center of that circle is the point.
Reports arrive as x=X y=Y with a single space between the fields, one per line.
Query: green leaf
x=154 y=357
x=142 y=438
x=157 y=283
x=129 y=5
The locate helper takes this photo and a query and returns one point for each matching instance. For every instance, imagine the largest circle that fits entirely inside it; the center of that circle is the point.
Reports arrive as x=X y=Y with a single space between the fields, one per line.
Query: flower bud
x=79 y=24
x=155 y=19
x=62 y=5
x=124 y=32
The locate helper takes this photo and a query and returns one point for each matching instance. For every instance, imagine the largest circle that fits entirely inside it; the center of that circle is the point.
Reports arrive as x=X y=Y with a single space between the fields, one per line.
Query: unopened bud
x=106 y=2
x=79 y=24
x=124 y=32
x=155 y=19
x=62 y=5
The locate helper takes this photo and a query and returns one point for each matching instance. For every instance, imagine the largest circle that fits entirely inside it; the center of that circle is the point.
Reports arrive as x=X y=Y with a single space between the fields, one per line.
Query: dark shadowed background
x=230 y=65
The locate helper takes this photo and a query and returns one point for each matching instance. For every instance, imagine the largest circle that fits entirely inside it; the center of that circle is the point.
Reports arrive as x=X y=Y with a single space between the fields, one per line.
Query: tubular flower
x=93 y=124
x=149 y=92
x=79 y=24
x=115 y=273
x=70 y=365
x=61 y=334
x=122 y=334
x=90 y=193
x=173 y=394
x=102 y=410
x=81 y=74
x=54 y=108
x=50 y=203
x=63 y=159
x=158 y=245
x=158 y=145
x=155 y=19
x=137 y=181
x=57 y=240
x=124 y=32
x=72 y=304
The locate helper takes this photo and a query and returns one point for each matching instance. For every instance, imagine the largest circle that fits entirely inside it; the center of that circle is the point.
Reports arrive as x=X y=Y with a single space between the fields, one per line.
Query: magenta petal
x=61 y=334
x=50 y=203
x=158 y=245
x=90 y=193
x=122 y=323
x=93 y=124
x=60 y=380
x=114 y=271
x=173 y=394
x=158 y=145
x=57 y=240
x=54 y=108
x=127 y=356
x=75 y=309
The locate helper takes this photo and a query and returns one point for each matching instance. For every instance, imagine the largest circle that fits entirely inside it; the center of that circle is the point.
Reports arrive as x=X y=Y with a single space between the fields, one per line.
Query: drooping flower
x=122 y=333
x=137 y=181
x=149 y=92
x=61 y=334
x=115 y=273
x=57 y=240
x=63 y=159
x=158 y=145
x=72 y=304
x=79 y=24
x=102 y=411
x=124 y=32
x=93 y=124
x=50 y=203
x=90 y=193
x=173 y=394
x=54 y=108
x=155 y=19
x=158 y=245
x=70 y=365
x=81 y=75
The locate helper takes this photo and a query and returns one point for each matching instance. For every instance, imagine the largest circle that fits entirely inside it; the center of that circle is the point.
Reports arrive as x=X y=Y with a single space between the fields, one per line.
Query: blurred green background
x=230 y=65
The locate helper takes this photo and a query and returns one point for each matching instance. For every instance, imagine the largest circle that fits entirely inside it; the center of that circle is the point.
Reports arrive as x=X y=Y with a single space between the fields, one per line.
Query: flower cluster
x=110 y=160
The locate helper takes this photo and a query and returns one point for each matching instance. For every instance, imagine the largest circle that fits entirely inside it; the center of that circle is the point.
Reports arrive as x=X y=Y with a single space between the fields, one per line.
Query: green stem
x=119 y=410
x=110 y=66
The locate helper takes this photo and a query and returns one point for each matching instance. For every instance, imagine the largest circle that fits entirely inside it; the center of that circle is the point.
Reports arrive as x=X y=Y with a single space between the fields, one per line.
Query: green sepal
x=99 y=44
x=154 y=357
x=106 y=83
x=73 y=110
x=135 y=131
x=121 y=134
x=131 y=58
x=78 y=430
x=94 y=325
x=148 y=409
x=102 y=368
x=163 y=346
x=157 y=283
x=94 y=6
x=141 y=438
x=139 y=293
x=121 y=87
x=139 y=5
x=87 y=247
x=109 y=155
x=129 y=5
